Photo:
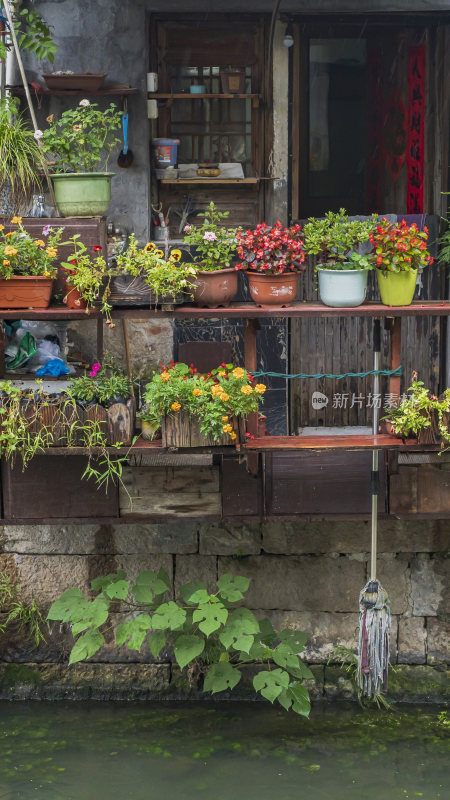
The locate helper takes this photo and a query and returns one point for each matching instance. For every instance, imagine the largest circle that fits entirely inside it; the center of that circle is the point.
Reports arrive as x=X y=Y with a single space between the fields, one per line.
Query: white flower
x=187 y=228
x=85 y=103
x=38 y=135
x=209 y=236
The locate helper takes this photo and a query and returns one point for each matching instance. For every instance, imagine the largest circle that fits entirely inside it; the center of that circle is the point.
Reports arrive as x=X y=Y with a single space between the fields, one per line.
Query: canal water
x=237 y=751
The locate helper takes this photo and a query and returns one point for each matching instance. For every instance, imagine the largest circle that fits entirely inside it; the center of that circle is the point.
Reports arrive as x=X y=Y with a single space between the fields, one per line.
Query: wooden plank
x=183 y=504
x=241 y=491
x=147 y=481
x=403 y=491
x=356 y=442
x=433 y=488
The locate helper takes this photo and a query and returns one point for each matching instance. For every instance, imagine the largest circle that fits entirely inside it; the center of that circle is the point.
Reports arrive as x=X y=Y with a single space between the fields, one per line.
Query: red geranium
x=271 y=250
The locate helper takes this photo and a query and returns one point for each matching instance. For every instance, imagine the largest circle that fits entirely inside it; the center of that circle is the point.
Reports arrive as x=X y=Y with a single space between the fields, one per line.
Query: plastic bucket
x=397 y=288
x=165 y=152
x=342 y=288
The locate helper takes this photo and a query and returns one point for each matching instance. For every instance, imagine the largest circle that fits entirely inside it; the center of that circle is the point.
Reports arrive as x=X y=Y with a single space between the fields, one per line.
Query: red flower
x=97 y=248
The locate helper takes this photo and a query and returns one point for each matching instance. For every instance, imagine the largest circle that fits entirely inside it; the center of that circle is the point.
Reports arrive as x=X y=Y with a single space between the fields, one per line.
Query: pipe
x=375 y=481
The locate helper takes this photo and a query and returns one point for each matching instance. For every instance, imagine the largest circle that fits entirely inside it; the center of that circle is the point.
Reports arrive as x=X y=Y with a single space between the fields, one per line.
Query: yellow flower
x=39 y=243
x=232 y=435
x=165 y=377
x=246 y=389
x=47 y=275
x=224 y=397
x=221 y=373
x=197 y=392
x=158 y=254
x=11 y=233
x=224 y=419
x=149 y=247
x=175 y=406
x=260 y=388
x=238 y=372
x=10 y=251
x=50 y=118
x=2 y=227
x=51 y=252
x=175 y=255
x=16 y=220
x=6 y=263
x=216 y=389
x=227 y=428
x=76 y=128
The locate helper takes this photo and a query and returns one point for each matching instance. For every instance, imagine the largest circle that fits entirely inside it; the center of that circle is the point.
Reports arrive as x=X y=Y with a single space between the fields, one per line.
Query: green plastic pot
x=397 y=288
x=342 y=288
x=83 y=194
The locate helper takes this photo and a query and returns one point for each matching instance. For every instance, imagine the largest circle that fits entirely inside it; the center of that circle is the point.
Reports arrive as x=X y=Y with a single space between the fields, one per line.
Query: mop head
x=373 y=645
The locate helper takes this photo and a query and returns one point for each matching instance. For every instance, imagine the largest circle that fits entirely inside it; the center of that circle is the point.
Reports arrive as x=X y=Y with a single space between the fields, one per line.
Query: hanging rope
x=397 y=372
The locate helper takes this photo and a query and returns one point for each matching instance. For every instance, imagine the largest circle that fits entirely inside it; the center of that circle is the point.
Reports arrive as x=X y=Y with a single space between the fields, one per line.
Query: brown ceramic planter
x=73 y=298
x=273 y=290
x=23 y=291
x=214 y=289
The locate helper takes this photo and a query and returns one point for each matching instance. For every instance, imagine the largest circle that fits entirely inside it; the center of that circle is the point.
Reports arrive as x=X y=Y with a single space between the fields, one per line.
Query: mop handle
x=375 y=474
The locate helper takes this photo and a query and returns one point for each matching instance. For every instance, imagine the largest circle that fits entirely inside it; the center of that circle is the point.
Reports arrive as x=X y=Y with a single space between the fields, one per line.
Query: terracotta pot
x=273 y=290
x=24 y=291
x=73 y=298
x=214 y=289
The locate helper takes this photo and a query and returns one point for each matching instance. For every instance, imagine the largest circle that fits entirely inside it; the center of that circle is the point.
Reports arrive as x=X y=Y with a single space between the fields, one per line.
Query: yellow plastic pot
x=397 y=288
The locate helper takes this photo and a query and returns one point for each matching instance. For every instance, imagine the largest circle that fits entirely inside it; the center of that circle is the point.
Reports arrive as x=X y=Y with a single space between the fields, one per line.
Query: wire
x=397 y=372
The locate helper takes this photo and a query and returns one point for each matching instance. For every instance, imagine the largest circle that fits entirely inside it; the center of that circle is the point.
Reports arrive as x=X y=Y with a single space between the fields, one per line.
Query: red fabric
x=416 y=130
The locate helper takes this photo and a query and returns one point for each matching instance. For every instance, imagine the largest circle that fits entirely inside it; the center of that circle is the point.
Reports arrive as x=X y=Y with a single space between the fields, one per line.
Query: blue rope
x=397 y=372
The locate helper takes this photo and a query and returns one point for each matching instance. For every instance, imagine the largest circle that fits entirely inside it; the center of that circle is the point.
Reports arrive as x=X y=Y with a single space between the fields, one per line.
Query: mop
x=374 y=606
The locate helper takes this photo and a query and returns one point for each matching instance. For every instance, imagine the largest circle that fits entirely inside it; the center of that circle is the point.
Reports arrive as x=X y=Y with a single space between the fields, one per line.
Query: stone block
x=304 y=583
x=195 y=568
x=338 y=684
x=438 y=641
x=179 y=537
x=412 y=637
x=419 y=683
x=430 y=582
x=394 y=576
x=45 y=577
x=230 y=539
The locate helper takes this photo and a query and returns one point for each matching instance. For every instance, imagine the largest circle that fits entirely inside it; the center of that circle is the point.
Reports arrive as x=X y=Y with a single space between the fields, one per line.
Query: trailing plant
x=420 y=410
x=214 y=243
x=21 y=254
x=210 y=636
x=271 y=250
x=105 y=382
x=334 y=238
x=83 y=138
x=166 y=277
x=33 y=34
x=20 y=613
x=399 y=247
x=214 y=399
x=20 y=155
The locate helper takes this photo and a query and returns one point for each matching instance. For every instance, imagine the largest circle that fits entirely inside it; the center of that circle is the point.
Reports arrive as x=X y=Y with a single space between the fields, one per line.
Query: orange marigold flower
x=224 y=397
x=260 y=388
x=216 y=389
x=238 y=372
x=51 y=252
x=10 y=251
x=6 y=263
x=39 y=243
x=224 y=419
x=197 y=392
x=175 y=406
x=246 y=389
x=165 y=377
x=2 y=227
x=232 y=435
x=11 y=233
x=16 y=220
x=227 y=428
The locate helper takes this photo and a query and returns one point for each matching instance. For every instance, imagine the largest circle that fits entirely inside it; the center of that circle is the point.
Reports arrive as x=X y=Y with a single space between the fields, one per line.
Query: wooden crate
x=127 y=290
x=183 y=430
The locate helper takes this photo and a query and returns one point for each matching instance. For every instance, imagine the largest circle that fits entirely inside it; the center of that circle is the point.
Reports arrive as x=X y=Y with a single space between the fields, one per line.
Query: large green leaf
x=220 y=677
x=302 y=671
x=271 y=683
x=301 y=702
x=294 y=639
x=239 y=631
x=134 y=631
x=186 y=648
x=284 y=657
x=99 y=583
x=86 y=646
x=210 y=617
x=231 y=587
x=267 y=632
x=70 y=607
x=150 y=584
x=168 y=615
x=118 y=590
x=194 y=592
x=95 y=615
x=156 y=642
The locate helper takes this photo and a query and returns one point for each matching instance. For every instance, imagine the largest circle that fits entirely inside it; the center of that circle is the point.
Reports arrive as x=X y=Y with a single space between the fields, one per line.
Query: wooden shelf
x=169 y=97
x=108 y=90
x=339 y=442
x=175 y=181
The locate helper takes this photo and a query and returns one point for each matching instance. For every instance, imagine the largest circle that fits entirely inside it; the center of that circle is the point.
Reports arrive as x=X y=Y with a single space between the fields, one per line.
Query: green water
x=86 y=751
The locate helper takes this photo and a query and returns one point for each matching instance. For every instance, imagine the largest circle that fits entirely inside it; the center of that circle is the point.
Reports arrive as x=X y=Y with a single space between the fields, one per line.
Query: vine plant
x=210 y=636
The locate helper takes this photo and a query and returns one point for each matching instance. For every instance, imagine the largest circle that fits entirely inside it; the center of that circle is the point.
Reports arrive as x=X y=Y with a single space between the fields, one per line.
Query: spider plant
x=20 y=155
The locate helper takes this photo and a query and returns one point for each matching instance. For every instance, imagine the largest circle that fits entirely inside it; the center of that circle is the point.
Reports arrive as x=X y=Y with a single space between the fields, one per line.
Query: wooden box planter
x=117 y=421
x=183 y=430
x=127 y=290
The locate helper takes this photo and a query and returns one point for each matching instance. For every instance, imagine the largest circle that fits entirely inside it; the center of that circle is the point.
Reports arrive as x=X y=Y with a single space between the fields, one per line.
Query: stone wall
x=304 y=575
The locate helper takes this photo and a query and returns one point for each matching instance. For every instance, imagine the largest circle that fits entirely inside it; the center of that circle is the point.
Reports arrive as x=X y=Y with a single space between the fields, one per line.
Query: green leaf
x=118 y=590
x=301 y=702
x=96 y=614
x=302 y=671
x=168 y=615
x=232 y=586
x=70 y=607
x=86 y=646
x=271 y=683
x=99 y=583
x=135 y=630
x=194 y=592
x=156 y=642
x=267 y=632
x=284 y=657
x=239 y=630
x=149 y=584
x=294 y=639
x=210 y=617
x=188 y=647
x=220 y=677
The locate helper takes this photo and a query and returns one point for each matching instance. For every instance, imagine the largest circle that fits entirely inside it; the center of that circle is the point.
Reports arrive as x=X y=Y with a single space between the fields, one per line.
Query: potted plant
x=199 y=410
x=149 y=276
x=216 y=282
x=400 y=250
x=342 y=272
x=86 y=278
x=272 y=258
x=20 y=157
x=80 y=143
x=27 y=266
x=422 y=416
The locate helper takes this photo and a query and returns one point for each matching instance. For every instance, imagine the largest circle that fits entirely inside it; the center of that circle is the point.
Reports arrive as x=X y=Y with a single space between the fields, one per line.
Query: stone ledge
x=407 y=684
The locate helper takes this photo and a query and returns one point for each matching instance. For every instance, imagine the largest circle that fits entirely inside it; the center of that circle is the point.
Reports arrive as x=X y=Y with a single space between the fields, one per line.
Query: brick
x=228 y=539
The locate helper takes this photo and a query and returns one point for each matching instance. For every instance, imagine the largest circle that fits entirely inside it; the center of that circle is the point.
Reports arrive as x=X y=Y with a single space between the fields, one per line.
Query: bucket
x=342 y=288
x=165 y=152
x=397 y=288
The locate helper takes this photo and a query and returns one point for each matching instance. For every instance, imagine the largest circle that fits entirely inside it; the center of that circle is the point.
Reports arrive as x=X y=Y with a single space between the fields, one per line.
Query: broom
x=374 y=606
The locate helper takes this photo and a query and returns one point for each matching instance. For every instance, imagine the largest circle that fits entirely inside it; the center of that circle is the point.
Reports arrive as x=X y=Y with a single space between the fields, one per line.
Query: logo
x=319 y=400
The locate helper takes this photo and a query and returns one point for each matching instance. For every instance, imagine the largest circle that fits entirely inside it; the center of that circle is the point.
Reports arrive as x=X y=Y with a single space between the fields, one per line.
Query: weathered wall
x=304 y=575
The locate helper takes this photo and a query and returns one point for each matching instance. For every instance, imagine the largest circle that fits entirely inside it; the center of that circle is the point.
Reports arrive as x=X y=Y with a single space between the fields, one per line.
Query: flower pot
x=214 y=289
x=342 y=288
x=397 y=288
x=83 y=194
x=273 y=290
x=83 y=81
x=73 y=298
x=183 y=430
x=23 y=291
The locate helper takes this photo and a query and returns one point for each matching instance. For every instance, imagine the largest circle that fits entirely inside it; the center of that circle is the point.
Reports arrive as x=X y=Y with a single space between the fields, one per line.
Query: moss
x=14 y=675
